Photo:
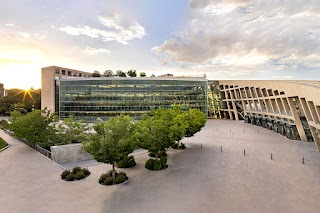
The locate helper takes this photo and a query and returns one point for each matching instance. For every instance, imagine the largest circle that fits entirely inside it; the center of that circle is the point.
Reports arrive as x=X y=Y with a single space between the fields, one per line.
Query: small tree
x=96 y=74
x=34 y=126
x=196 y=120
x=132 y=73
x=71 y=131
x=143 y=74
x=108 y=73
x=121 y=74
x=112 y=137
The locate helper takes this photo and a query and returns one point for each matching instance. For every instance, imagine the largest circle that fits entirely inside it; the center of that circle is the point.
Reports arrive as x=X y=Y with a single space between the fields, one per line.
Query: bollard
x=221 y=149
x=303 y=160
x=271 y=156
x=244 y=152
x=201 y=146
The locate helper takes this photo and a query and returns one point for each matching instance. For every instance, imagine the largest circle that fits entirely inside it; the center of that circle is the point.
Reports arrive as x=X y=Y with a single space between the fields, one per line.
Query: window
x=57 y=71
x=74 y=74
x=69 y=73
x=80 y=74
x=63 y=72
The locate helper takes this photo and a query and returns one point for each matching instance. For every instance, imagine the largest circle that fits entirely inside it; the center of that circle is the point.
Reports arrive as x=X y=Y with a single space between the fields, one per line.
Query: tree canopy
x=112 y=139
x=71 y=131
x=132 y=73
x=120 y=73
x=196 y=120
x=143 y=74
x=96 y=74
x=108 y=73
x=21 y=100
x=34 y=126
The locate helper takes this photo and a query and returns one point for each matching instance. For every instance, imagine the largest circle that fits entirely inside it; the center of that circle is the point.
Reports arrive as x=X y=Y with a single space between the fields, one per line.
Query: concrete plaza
x=197 y=180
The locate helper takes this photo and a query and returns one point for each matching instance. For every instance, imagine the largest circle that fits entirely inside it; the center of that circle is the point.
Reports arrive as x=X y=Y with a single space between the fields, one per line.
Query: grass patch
x=2 y=143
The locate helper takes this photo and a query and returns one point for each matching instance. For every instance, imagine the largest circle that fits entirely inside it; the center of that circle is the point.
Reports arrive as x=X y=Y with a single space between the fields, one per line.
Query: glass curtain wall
x=89 y=99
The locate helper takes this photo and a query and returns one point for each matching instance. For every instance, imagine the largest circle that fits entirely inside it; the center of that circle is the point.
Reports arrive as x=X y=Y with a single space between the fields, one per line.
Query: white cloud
x=241 y=36
x=93 y=51
x=9 y=25
x=25 y=35
x=117 y=32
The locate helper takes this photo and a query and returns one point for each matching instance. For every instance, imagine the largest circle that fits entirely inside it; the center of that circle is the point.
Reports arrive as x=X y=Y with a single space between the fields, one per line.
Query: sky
x=222 y=39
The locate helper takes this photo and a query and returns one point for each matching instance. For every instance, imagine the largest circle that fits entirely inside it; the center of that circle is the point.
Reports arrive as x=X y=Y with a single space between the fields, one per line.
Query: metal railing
x=37 y=147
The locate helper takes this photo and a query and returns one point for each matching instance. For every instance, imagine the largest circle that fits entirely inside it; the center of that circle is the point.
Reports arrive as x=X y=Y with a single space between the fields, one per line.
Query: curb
x=4 y=148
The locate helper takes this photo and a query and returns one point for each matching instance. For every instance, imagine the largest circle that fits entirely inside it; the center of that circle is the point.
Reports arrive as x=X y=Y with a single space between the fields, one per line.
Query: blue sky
x=224 y=39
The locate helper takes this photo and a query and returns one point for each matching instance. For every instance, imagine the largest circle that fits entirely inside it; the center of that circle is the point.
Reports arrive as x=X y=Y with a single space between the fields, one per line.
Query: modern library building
x=290 y=108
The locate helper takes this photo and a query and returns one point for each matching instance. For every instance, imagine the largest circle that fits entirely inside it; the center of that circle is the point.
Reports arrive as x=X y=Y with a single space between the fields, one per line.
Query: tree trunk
x=156 y=155
x=113 y=171
x=178 y=144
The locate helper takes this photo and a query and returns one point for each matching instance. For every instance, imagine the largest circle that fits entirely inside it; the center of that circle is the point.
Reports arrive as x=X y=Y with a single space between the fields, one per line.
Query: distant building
x=2 y=91
x=290 y=108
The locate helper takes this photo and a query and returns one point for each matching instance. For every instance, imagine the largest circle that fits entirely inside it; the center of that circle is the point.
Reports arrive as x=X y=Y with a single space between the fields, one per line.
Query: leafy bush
x=120 y=178
x=157 y=165
x=126 y=162
x=76 y=169
x=65 y=173
x=160 y=154
x=176 y=146
x=4 y=124
x=70 y=177
x=149 y=164
x=86 y=171
x=107 y=179
x=153 y=164
x=183 y=146
x=77 y=173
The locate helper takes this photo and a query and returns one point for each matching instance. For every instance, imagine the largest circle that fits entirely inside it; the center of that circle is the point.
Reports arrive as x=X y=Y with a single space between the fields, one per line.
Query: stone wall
x=69 y=153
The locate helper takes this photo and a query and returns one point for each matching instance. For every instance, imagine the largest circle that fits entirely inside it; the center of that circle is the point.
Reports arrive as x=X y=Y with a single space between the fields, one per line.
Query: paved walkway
x=197 y=180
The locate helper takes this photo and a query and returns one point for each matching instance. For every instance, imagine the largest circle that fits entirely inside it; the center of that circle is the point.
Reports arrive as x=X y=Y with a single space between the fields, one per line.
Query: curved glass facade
x=92 y=98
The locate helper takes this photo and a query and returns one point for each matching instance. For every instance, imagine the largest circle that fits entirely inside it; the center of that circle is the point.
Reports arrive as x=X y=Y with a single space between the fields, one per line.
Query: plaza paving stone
x=197 y=180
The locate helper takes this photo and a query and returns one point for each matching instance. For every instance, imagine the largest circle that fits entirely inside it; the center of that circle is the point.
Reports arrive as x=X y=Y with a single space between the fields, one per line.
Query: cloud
x=116 y=31
x=9 y=25
x=242 y=35
x=25 y=35
x=93 y=51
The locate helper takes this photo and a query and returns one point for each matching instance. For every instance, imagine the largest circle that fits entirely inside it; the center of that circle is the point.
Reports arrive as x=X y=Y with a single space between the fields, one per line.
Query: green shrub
x=65 y=173
x=160 y=154
x=70 y=177
x=77 y=173
x=163 y=160
x=4 y=124
x=120 y=178
x=151 y=154
x=153 y=164
x=109 y=173
x=86 y=171
x=126 y=162
x=76 y=169
x=103 y=177
x=149 y=164
x=183 y=146
x=157 y=165
x=175 y=146
x=107 y=179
